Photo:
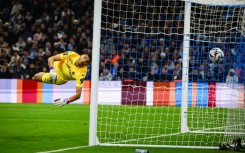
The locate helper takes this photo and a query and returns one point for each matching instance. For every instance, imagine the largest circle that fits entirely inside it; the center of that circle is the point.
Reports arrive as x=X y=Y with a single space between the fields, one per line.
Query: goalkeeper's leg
x=46 y=78
x=38 y=76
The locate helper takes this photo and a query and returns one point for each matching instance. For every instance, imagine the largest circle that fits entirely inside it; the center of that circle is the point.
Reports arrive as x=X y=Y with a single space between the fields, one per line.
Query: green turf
x=40 y=127
x=159 y=125
x=28 y=128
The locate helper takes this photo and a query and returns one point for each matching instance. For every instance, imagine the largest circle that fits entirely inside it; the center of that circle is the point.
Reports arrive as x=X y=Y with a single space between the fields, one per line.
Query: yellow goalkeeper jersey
x=67 y=70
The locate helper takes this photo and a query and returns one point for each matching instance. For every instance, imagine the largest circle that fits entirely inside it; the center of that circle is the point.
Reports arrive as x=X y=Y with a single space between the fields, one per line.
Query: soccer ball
x=216 y=55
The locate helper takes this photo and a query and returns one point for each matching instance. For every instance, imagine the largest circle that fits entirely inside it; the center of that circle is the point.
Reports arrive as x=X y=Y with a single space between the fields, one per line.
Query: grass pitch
x=29 y=128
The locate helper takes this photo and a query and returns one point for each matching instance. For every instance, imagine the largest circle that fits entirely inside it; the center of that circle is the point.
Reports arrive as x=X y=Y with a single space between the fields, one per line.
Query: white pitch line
x=65 y=149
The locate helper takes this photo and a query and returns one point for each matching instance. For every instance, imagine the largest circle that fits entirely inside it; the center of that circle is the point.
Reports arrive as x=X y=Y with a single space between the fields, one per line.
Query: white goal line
x=64 y=149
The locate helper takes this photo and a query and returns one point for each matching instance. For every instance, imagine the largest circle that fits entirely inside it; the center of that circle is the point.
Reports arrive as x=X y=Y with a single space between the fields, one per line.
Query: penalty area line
x=64 y=149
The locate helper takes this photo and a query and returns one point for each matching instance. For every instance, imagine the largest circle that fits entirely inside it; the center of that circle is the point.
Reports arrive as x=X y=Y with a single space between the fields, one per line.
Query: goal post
x=185 y=72
x=94 y=74
x=153 y=84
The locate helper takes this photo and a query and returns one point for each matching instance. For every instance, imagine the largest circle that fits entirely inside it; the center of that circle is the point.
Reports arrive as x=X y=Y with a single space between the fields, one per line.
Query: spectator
x=17 y=74
x=20 y=43
x=2 y=41
x=10 y=73
x=142 y=67
x=156 y=68
x=115 y=57
x=202 y=72
x=6 y=47
x=4 y=73
x=16 y=8
x=62 y=44
x=132 y=75
x=38 y=35
x=21 y=51
x=47 y=55
x=164 y=76
x=121 y=74
x=176 y=76
x=26 y=57
x=57 y=49
x=106 y=75
x=4 y=57
x=71 y=45
x=14 y=58
x=25 y=65
x=170 y=66
x=48 y=46
x=33 y=51
x=152 y=76
x=25 y=75
x=31 y=70
x=161 y=42
x=28 y=43
x=178 y=68
x=194 y=76
x=231 y=77
x=28 y=18
x=40 y=52
x=114 y=70
x=221 y=74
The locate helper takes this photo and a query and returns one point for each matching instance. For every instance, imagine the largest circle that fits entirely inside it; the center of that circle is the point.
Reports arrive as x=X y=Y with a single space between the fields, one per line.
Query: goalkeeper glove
x=53 y=74
x=61 y=102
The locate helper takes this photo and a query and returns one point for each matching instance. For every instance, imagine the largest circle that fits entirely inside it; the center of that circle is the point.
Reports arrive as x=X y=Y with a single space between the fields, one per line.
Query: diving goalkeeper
x=64 y=67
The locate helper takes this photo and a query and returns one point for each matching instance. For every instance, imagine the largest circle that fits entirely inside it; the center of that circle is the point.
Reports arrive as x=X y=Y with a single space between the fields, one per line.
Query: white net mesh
x=220 y=25
x=141 y=73
x=218 y=2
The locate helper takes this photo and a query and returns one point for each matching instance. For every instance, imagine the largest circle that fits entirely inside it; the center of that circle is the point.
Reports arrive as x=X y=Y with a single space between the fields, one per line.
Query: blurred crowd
x=134 y=45
x=33 y=30
x=146 y=43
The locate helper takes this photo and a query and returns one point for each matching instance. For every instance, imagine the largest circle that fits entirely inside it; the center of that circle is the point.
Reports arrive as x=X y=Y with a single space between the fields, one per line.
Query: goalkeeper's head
x=85 y=59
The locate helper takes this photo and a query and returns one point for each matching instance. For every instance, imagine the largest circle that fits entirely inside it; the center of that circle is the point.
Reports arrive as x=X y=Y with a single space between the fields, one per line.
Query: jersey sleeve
x=66 y=54
x=80 y=78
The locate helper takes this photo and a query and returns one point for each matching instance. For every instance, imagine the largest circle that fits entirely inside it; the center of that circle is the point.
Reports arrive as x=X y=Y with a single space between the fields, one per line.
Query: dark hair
x=89 y=53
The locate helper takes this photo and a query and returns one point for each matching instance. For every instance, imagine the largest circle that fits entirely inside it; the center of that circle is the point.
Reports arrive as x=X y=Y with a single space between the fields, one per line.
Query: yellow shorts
x=46 y=78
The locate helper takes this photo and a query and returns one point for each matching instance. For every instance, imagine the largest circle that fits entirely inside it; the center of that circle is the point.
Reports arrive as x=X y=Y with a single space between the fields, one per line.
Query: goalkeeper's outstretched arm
x=61 y=102
x=77 y=95
x=52 y=59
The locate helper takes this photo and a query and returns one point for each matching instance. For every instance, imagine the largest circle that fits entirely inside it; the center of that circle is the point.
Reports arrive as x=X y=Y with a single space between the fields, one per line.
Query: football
x=216 y=55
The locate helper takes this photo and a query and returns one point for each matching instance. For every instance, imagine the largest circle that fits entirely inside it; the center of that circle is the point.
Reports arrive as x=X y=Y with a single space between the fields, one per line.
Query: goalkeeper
x=64 y=67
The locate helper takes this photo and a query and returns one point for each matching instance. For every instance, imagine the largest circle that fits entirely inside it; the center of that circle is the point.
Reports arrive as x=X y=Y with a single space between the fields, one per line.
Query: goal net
x=157 y=86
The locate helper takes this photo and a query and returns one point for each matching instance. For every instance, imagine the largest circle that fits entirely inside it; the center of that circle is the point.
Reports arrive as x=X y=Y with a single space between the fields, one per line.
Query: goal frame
x=95 y=79
x=95 y=74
